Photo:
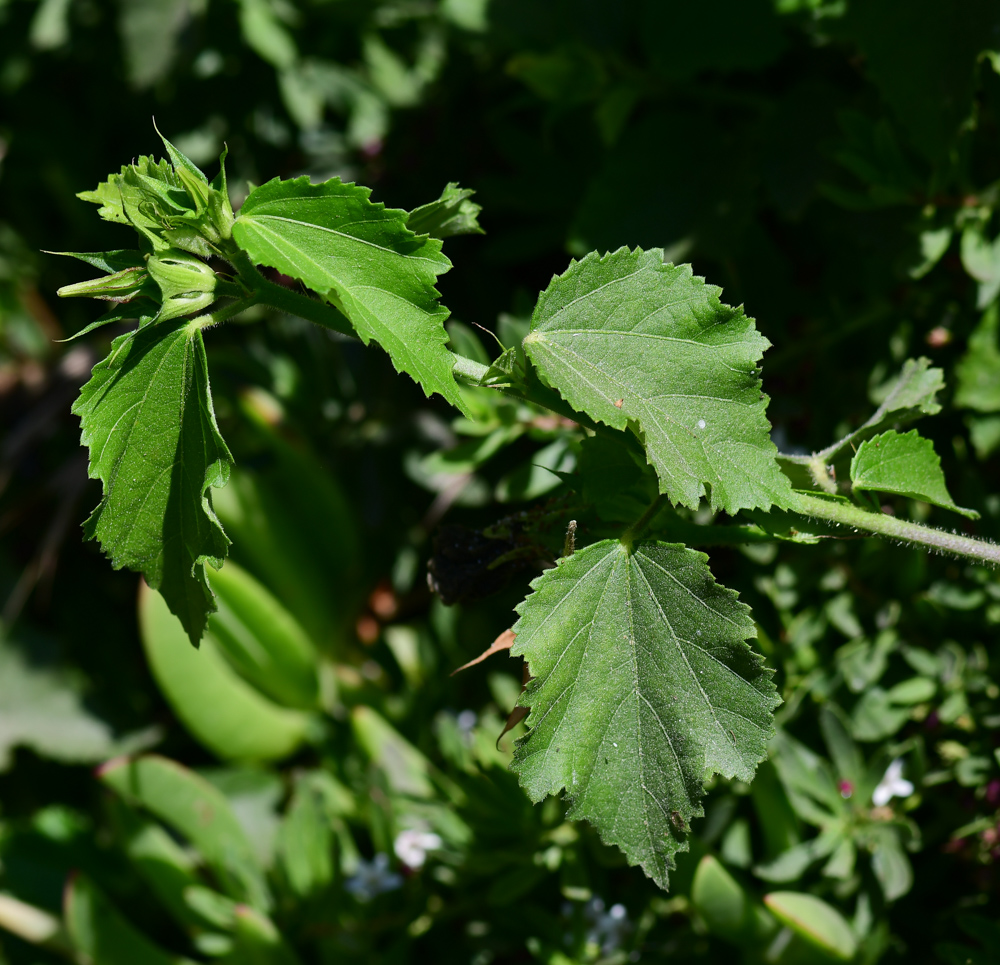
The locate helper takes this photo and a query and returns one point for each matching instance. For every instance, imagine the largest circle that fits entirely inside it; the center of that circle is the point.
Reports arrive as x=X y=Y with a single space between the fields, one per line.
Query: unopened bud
x=186 y=283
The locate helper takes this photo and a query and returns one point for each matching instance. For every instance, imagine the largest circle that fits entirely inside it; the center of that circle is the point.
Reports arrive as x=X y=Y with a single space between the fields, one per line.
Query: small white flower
x=373 y=878
x=411 y=847
x=892 y=785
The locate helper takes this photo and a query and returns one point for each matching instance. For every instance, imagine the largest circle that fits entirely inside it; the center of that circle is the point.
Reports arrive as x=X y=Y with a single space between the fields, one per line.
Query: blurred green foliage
x=831 y=163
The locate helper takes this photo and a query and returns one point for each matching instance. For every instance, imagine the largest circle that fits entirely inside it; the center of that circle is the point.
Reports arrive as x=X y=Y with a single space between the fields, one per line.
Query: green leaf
x=149 y=32
x=628 y=339
x=307 y=549
x=166 y=867
x=107 y=261
x=101 y=934
x=362 y=258
x=726 y=907
x=147 y=416
x=643 y=682
x=262 y=640
x=137 y=195
x=199 y=812
x=221 y=710
x=890 y=864
x=814 y=920
x=256 y=941
x=912 y=394
x=451 y=214
x=265 y=34
x=305 y=839
x=170 y=205
x=903 y=464
x=981 y=259
x=406 y=769
x=124 y=312
x=43 y=708
x=978 y=371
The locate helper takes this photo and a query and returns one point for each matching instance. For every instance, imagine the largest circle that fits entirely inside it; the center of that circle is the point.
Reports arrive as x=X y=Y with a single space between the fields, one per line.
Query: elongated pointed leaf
x=643 y=681
x=100 y=933
x=978 y=371
x=903 y=464
x=906 y=397
x=817 y=922
x=627 y=338
x=199 y=812
x=123 y=312
x=147 y=416
x=109 y=261
x=363 y=259
x=223 y=711
x=451 y=214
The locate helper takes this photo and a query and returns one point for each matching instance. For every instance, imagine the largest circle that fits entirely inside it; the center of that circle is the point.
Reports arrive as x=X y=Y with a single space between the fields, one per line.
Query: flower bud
x=186 y=283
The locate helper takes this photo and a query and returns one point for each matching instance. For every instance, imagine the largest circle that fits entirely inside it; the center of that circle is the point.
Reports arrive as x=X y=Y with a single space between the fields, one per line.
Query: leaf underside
x=627 y=339
x=643 y=682
x=362 y=258
x=146 y=415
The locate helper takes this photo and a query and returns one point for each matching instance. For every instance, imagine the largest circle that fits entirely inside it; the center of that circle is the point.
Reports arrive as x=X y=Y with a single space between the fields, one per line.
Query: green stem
x=225 y=313
x=284 y=299
x=228 y=289
x=635 y=530
x=882 y=524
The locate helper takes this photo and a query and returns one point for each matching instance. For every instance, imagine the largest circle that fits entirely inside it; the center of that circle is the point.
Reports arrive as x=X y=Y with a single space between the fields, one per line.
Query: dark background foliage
x=832 y=165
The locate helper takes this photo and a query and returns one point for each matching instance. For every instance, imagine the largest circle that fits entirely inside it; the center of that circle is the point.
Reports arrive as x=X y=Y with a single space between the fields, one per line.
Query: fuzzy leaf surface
x=628 y=338
x=643 y=681
x=362 y=258
x=903 y=464
x=147 y=416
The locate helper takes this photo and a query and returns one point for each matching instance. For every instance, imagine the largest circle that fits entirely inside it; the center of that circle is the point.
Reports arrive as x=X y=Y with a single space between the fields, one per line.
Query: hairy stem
x=882 y=524
x=285 y=299
x=225 y=312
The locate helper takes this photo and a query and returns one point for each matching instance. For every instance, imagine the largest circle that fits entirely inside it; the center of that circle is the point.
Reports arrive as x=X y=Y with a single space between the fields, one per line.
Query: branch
x=882 y=524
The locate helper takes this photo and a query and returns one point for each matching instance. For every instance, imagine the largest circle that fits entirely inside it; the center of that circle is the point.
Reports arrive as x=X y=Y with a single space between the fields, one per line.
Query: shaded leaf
x=643 y=682
x=102 y=935
x=147 y=416
x=195 y=809
x=814 y=920
x=978 y=371
x=451 y=214
x=727 y=908
x=43 y=708
x=222 y=711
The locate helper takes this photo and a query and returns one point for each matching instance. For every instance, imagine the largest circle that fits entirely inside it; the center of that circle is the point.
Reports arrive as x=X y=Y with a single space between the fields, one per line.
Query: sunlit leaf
x=631 y=340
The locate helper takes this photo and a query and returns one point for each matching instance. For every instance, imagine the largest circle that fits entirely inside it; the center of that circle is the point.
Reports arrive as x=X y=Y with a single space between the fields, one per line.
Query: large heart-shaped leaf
x=629 y=339
x=643 y=681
